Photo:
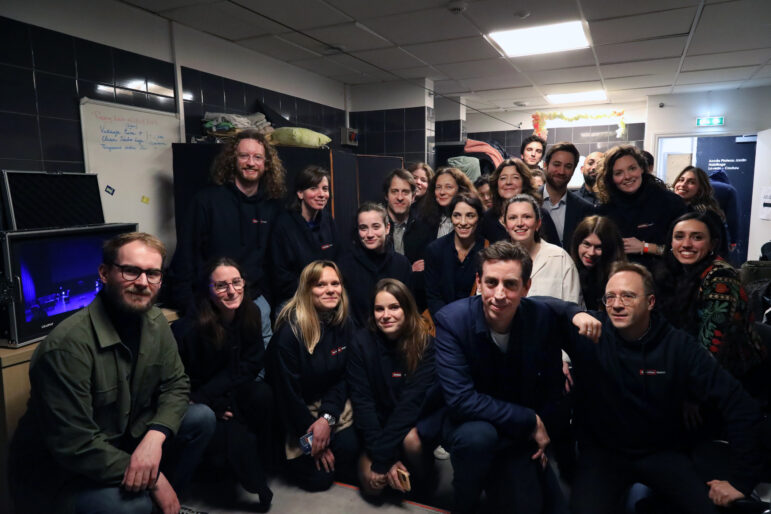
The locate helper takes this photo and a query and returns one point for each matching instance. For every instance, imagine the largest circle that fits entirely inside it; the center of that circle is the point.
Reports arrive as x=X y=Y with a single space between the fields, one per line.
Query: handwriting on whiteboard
x=129 y=133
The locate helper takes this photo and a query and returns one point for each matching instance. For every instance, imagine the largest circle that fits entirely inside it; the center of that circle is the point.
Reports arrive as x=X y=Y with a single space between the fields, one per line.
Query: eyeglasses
x=222 y=287
x=254 y=157
x=132 y=273
x=627 y=299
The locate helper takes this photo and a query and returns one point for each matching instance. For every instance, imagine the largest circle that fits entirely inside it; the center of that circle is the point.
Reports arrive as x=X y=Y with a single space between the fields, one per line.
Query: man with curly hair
x=233 y=218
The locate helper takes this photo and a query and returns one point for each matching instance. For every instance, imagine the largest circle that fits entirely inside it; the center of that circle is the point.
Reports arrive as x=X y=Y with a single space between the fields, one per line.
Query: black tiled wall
x=203 y=92
x=395 y=132
x=596 y=138
x=44 y=75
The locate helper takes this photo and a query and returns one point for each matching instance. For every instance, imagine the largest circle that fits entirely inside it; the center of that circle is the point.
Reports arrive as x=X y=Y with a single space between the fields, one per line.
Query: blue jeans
x=181 y=455
x=267 y=328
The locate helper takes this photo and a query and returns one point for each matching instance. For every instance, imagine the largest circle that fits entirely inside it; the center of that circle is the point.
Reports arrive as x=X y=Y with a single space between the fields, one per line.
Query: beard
x=115 y=296
x=590 y=180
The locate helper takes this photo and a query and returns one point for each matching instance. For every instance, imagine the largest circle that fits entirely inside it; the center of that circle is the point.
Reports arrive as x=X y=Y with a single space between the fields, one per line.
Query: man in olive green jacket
x=108 y=398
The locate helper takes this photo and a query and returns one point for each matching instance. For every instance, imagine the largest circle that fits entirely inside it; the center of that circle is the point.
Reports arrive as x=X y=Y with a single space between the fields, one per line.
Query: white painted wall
x=746 y=111
x=477 y=122
x=450 y=108
x=391 y=95
x=132 y=29
x=760 y=230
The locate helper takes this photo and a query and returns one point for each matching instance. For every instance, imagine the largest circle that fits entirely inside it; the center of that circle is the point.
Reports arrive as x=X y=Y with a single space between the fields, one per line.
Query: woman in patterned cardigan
x=699 y=292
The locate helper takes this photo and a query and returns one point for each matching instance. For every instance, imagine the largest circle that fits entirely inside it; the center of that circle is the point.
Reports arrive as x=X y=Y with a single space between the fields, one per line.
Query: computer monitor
x=50 y=275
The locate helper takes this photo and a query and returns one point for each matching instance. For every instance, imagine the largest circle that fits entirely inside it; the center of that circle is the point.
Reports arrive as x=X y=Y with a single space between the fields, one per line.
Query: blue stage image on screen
x=59 y=275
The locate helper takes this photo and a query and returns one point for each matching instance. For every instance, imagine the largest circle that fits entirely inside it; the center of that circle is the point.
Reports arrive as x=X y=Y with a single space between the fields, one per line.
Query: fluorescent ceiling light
x=541 y=40
x=585 y=96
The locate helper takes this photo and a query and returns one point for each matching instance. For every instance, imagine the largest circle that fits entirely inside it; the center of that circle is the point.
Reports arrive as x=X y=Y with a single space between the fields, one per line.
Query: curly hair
x=604 y=185
x=432 y=212
x=527 y=183
x=224 y=167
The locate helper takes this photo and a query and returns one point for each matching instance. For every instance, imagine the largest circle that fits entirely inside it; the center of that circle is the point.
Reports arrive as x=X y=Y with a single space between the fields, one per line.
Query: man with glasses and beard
x=233 y=218
x=108 y=426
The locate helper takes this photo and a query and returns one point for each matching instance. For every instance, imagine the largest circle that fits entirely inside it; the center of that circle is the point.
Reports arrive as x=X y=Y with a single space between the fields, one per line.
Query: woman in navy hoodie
x=371 y=259
x=391 y=376
x=307 y=231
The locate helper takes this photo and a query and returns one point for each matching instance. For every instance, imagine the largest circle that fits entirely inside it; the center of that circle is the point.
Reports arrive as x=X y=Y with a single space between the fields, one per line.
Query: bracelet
x=645 y=248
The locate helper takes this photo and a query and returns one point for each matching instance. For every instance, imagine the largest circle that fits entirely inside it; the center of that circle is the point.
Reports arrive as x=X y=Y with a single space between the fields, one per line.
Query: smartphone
x=404 y=479
x=306 y=442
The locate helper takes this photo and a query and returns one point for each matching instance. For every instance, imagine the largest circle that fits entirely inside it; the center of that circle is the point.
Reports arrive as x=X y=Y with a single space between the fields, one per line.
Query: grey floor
x=221 y=498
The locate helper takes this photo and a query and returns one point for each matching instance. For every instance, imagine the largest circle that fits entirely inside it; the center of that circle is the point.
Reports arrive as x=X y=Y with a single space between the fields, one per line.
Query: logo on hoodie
x=652 y=372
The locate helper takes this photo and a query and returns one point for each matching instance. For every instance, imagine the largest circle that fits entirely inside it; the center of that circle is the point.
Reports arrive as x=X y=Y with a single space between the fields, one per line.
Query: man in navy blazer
x=566 y=208
x=500 y=368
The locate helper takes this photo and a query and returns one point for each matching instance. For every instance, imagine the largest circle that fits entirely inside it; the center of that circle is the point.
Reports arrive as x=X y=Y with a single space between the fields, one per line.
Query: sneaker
x=188 y=510
x=441 y=454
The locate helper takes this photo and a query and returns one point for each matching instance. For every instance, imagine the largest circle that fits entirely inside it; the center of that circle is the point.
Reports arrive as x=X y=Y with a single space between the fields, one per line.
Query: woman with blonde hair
x=308 y=361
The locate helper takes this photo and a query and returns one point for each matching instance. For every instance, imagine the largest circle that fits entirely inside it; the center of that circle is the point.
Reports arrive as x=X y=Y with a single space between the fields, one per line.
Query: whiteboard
x=129 y=148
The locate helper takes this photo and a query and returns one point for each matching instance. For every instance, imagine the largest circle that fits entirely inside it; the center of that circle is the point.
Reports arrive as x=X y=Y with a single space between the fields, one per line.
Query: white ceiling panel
x=582 y=74
x=757 y=82
x=657 y=67
x=164 y=5
x=642 y=50
x=505 y=94
x=429 y=25
x=642 y=26
x=501 y=82
x=392 y=58
x=603 y=9
x=358 y=65
x=712 y=86
x=765 y=71
x=555 y=61
x=711 y=61
x=225 y=20
x=425 y=72
x=627 y=95
x=448 y=86
x=721 y=75
x=455 y=50
x=297 y=14
x=364 y=10
x=477 y=68
x=741 y=25
x=347 y=36
x=640 y=81
x=325 y=66
x=492 y=15
x=356 y=78
x=573 y=87
x=276 y=47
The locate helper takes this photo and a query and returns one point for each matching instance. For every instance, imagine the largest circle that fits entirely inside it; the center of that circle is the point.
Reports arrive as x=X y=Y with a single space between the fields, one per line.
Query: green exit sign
x=710 y=121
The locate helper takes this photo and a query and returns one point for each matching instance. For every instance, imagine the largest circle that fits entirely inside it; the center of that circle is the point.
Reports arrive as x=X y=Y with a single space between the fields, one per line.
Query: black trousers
x=603 y=478
x=484 y=460
x=242 y=444
x=345 y=447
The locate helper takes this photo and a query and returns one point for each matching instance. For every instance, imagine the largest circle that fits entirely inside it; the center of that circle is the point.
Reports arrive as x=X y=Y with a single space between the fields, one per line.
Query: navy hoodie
x=630 y=395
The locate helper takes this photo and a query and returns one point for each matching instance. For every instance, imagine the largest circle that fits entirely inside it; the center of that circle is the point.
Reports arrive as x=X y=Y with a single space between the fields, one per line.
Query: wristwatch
x=330 y=419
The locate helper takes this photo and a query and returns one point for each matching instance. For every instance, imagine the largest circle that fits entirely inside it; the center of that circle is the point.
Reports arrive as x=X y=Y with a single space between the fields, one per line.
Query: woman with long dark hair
x=511 y=178
x=370 y=259
x=220 y=343
x=634 y=200
x=308 y=356
x=692 y=185
x=596 y=245
x=392 y=379
x=701 y=293
x=451 y=260
x=304 y=233
x=423 y=174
